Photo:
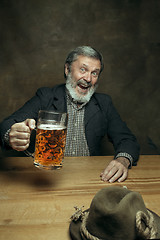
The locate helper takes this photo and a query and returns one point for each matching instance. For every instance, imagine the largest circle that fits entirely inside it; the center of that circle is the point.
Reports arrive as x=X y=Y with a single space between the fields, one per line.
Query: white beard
x=82 y=98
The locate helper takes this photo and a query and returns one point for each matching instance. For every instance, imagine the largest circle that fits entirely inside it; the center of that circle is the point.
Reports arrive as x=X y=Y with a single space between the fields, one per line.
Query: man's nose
x=88 y=77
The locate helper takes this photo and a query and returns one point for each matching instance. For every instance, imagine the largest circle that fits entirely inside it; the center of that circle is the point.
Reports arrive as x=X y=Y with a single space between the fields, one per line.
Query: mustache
x=84 y=83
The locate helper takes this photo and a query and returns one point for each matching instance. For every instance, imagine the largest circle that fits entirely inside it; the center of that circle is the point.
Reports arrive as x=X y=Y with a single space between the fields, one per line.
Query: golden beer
x=50 y=146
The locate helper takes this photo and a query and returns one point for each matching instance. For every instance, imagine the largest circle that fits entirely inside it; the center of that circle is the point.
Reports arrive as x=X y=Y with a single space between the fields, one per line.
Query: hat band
x=149 y=232
x=84 y=231
x=145 y=225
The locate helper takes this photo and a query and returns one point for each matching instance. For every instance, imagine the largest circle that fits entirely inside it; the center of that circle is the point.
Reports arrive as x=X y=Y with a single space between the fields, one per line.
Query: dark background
x=36 y=36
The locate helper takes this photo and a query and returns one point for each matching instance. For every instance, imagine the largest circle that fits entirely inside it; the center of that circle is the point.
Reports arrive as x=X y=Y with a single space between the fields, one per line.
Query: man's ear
x=66 y=69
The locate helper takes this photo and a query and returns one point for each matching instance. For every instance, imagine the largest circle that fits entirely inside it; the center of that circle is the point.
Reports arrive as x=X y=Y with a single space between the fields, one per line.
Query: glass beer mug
x=50 y=140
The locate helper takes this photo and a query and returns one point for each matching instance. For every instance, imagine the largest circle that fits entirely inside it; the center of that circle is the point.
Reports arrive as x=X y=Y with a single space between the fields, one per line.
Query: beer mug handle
x=28 y=153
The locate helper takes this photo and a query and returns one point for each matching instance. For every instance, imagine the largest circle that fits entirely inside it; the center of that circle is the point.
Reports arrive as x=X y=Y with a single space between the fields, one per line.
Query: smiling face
x=82 y=79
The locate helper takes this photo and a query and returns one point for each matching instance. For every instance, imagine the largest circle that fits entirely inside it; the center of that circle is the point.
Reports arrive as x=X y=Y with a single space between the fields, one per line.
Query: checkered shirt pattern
x=76 y=143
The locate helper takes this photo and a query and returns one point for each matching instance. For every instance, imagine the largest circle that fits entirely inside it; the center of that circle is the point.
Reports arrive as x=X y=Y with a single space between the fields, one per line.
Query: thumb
x=31 y=123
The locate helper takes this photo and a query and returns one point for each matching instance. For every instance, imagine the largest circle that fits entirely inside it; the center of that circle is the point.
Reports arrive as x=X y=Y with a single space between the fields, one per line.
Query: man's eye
x=83 y=69
x=95 y=74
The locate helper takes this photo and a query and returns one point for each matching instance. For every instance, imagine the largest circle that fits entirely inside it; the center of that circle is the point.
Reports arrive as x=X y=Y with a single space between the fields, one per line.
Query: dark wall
x=36 y=36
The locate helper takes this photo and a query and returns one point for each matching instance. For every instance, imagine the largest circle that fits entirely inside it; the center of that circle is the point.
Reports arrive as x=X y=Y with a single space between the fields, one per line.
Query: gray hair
x=84 y=51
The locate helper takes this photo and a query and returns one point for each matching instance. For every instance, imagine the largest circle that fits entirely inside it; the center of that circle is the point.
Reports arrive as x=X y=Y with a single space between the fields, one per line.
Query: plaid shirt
x=76 y=144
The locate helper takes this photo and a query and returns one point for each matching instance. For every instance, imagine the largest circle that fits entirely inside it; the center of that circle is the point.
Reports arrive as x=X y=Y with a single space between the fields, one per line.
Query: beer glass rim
x=52 y=112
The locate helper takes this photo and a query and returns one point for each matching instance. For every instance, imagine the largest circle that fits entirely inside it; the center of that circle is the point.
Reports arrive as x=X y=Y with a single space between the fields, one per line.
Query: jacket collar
x=59 y=99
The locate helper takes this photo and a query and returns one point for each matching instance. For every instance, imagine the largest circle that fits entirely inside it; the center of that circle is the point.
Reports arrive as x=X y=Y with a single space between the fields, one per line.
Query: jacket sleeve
x=28 y=110
x=117 y=131
x=120 y=135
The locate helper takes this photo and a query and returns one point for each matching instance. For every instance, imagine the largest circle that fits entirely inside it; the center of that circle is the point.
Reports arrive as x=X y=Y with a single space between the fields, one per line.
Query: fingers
x=20 y=145
x=20 y=134
x=115 y=171
x=123 y=177
x=31 y=123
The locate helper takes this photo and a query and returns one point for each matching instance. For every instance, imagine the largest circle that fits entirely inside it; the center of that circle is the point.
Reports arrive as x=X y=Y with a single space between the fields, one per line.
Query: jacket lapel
x=59 y=99
x=91 y=109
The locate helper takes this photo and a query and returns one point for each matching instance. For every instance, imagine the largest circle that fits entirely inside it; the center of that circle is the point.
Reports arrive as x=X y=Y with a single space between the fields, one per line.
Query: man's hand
x=19 y=136
x=117 y=170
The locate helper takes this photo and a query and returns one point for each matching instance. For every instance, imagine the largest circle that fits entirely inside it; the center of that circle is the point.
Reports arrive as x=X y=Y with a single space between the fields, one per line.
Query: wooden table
x=37 y=204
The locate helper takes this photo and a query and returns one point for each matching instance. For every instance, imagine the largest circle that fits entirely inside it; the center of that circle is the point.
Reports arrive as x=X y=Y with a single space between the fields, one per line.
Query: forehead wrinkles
x=90 y=63
x=92 y=69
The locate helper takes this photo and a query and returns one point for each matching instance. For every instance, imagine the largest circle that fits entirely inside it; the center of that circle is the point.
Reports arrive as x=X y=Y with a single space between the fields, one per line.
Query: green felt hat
x=115 y=213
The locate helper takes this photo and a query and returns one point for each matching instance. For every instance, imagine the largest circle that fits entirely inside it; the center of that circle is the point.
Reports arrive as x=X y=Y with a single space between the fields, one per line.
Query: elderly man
x=91 y=116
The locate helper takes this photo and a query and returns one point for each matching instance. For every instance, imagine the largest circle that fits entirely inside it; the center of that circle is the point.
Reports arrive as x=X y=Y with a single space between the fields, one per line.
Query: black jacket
x=101 y=118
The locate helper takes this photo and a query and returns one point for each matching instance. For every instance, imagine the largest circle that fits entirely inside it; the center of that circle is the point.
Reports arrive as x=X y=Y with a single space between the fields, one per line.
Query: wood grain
x=37 y=204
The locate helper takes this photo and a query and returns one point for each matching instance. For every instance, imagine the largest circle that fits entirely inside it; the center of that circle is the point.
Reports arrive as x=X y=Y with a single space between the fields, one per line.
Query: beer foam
x=51 y=127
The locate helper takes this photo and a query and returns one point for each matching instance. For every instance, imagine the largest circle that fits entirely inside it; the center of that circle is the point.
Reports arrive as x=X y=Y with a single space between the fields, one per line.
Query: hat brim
x=74 y=228
x=157 y=221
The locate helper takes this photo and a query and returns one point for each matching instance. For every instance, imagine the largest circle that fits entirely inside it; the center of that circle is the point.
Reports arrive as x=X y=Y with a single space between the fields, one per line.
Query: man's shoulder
x=50 y=91
x=102 y=97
